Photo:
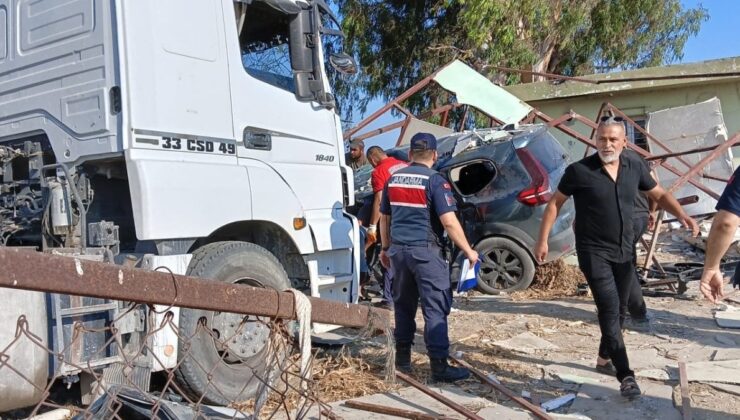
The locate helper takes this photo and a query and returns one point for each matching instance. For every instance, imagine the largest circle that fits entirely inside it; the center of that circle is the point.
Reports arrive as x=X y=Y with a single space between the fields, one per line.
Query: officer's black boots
x=403 y=358
x=443 y=372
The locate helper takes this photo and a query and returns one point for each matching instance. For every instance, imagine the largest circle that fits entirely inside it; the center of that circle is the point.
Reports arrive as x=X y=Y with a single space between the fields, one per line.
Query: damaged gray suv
x=502 y=179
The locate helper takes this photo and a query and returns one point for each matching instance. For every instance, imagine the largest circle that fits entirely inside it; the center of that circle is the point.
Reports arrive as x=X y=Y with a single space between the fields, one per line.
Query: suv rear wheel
x=505 y=266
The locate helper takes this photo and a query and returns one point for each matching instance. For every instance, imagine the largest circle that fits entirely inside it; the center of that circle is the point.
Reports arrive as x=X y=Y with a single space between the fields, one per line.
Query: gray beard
x=609 y=159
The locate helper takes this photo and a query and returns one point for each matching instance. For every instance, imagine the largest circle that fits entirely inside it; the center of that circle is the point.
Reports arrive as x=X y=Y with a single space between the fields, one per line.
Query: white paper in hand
x=468 y=276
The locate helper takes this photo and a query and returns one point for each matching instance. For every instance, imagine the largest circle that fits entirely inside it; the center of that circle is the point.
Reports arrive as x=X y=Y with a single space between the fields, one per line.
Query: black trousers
x=635 y=302
x=610 y=283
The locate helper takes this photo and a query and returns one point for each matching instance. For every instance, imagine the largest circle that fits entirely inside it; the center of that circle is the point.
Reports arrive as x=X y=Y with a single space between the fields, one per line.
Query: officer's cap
x=423 y=141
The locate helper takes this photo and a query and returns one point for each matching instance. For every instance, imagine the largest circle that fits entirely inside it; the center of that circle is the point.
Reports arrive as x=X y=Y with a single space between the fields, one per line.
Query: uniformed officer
x=721 y=236
x=417 y=206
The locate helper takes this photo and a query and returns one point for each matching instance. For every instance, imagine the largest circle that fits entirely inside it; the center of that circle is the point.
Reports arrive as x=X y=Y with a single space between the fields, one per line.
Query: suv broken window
x=472 y=178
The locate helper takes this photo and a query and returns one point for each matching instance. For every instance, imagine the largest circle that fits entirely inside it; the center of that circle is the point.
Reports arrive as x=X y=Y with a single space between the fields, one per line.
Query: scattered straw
x=551 y=281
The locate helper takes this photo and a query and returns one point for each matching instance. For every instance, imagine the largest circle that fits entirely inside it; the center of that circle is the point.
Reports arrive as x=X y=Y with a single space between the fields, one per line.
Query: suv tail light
x=538 y=192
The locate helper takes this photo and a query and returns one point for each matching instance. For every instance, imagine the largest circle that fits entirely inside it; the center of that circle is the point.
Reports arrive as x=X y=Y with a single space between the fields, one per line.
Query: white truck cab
x=201 y=136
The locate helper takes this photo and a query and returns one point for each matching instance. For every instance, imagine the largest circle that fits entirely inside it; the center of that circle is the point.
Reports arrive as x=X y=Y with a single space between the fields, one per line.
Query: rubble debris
x=556 y=403
x=728 y=318
x=575 y=379
x=726 y=371
x=730 y=389
x=527 y=343
x=654 y=374
x=726 y=354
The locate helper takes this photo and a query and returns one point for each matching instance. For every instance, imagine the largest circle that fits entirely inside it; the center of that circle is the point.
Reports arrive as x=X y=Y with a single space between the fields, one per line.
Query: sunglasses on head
x=606 y=118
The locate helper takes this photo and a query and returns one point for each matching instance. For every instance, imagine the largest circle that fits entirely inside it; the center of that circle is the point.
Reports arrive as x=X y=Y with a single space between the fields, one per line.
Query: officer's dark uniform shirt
x=605 y=208
x=730 y=199
x=415 y=197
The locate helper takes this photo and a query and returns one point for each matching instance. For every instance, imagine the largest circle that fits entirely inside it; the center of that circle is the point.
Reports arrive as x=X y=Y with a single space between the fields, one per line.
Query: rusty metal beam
x=381 y=130
x=375 y=115
x=537 y=411
x=715 y=178
x=702 y=163
x=391 y=411
x=687 y=152
x=578 y=136
x=30 y=270
x=645 y=133
x=441 y=398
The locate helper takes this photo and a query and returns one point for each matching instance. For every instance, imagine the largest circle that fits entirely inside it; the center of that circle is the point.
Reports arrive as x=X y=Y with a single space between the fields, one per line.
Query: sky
x=716 y=39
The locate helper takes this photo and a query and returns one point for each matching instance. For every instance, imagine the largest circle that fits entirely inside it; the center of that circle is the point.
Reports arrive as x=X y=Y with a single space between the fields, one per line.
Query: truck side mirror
x=302 y=45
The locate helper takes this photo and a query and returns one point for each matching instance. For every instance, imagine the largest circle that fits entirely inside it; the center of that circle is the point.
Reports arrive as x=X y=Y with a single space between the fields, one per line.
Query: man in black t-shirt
x=604 y=186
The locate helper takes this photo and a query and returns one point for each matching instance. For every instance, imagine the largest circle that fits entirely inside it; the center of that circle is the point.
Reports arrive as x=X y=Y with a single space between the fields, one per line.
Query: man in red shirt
x=383 y=167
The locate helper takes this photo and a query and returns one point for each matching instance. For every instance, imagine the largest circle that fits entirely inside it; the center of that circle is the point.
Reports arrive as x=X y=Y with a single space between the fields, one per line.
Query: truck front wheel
x=224 y=356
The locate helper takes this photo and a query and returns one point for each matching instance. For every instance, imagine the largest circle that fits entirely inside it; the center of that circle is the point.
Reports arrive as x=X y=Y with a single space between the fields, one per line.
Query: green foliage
x=398 y=42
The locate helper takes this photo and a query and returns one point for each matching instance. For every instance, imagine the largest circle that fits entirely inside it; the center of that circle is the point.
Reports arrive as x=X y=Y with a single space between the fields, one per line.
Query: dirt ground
x=683 y=329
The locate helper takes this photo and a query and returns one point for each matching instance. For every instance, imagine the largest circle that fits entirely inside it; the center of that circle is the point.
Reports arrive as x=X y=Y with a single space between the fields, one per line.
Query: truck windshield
x=264 y=44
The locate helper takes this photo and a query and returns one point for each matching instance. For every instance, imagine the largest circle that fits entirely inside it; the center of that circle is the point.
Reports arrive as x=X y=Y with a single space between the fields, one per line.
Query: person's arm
x=374 y=217
x=720 y=237
x=457 y=235
x=548 y=219
x=666 y=201
x=385 y=229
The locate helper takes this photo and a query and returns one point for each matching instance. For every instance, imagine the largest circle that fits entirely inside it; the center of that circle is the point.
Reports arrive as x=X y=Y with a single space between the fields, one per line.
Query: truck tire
x=505 y=266
x=243 y=361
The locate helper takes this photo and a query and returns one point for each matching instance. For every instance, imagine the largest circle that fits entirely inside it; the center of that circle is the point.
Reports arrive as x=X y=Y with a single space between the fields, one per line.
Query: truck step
x=134 y=376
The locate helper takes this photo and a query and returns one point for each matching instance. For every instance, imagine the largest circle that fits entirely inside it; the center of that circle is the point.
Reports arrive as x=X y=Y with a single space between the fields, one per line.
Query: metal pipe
x=30 y=270
x=375 y=115
x=686 y=152
x=441 y=398
x=702 y=163
x=537 y=411
x=645 y=133
x=391 y=411
x=381 y=130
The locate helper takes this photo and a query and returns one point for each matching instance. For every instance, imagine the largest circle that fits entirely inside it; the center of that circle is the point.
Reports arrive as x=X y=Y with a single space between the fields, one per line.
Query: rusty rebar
x=537 y=411
x=441 y=398
x=392 y=411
